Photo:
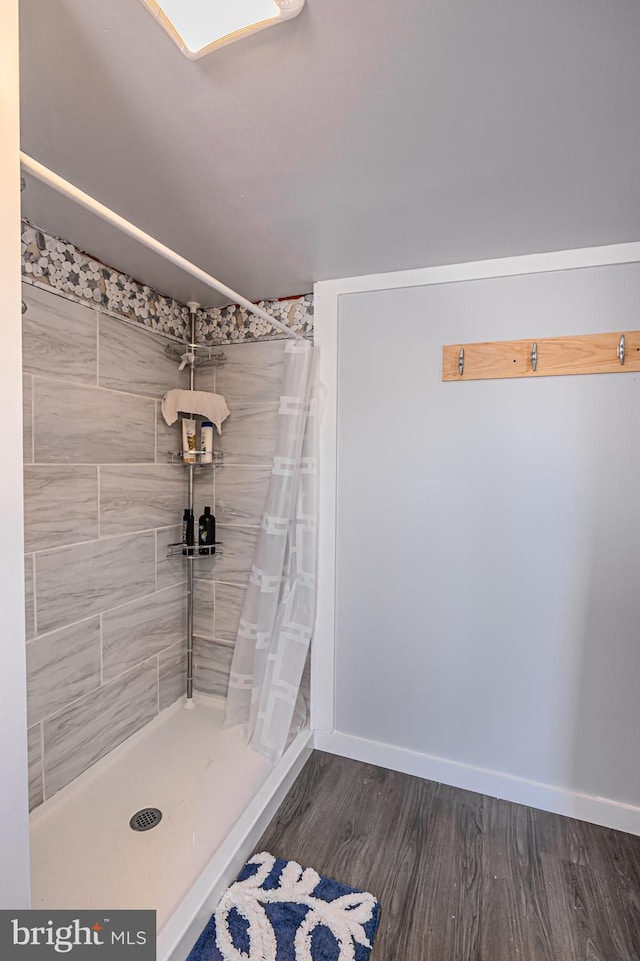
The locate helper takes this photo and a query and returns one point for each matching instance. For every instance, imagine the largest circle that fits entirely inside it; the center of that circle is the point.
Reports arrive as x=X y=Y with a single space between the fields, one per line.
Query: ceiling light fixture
x=199 y=26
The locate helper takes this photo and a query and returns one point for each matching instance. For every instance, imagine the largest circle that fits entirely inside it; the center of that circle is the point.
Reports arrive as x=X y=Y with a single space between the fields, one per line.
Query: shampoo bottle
x=207 y=532
x=189 y=533
x=206 y=442
x=188 y=440
x=185 y=522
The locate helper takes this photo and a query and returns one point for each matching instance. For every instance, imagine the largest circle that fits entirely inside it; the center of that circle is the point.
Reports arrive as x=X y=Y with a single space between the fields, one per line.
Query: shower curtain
x=275 y=626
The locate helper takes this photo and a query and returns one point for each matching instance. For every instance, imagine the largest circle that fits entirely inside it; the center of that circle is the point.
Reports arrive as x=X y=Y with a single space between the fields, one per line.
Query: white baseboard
x=584 y=807
x=183 y=928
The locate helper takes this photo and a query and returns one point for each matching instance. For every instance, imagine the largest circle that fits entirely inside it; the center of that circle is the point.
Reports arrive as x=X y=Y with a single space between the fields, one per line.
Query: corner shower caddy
x=194 y=355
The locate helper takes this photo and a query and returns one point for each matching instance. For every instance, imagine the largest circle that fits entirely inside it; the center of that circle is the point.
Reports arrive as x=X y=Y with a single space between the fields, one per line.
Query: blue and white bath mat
x=278 y=911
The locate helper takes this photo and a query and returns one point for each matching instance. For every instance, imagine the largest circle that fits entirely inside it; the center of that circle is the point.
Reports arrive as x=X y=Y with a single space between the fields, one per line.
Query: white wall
x=488 y=546
x=14 y=872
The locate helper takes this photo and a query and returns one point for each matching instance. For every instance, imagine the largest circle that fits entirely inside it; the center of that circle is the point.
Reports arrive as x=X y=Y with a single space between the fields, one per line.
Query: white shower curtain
x=275 y=627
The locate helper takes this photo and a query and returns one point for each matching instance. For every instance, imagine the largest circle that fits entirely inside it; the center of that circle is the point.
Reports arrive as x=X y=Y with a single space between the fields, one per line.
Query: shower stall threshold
x=216 y=796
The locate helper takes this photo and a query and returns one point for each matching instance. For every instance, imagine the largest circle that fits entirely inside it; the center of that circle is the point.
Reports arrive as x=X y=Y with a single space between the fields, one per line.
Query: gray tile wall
x=78 y=736
x=60 y=507
x=105 y=608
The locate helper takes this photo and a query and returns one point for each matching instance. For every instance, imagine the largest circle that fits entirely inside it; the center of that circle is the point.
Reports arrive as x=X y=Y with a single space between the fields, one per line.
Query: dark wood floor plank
x=444 y=918
x=460 y=876
x=404 y=828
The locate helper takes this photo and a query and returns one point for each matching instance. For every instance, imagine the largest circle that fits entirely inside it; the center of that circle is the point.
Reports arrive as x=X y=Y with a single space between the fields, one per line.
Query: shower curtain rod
x=74 y=193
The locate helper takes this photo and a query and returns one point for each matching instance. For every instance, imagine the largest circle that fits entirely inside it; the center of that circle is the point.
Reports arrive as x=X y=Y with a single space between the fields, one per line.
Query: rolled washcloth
x=212 y=406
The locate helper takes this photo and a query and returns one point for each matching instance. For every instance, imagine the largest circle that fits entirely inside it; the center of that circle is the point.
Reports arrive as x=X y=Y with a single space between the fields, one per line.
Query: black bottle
x=207 y=532
x=185 y=522
x=188 y=533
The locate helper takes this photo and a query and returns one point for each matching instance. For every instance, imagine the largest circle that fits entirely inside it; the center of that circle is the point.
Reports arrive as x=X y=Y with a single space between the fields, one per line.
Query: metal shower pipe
x=190 y=557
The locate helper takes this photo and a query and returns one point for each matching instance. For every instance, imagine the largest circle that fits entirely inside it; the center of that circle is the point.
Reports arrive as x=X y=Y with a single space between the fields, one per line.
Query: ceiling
x=362 y=136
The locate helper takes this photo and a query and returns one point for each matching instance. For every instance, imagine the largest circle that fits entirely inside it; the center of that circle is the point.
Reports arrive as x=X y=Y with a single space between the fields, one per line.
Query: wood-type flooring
x=461 y=876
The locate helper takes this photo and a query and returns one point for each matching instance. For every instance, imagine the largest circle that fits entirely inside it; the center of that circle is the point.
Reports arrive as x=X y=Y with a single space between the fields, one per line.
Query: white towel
x=212 y=406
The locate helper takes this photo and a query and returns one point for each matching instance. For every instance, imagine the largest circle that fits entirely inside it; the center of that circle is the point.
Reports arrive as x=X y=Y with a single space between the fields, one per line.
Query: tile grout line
x=155 y=556
x=147 y=658
x=109 y=610
x=44 y=786
x=101 y=655
x=174 y=338
x=33 y=422
x=95 y=540
x=35 y=611
x=89 y=386
x=106 y=311
x=100 y=687
x=223 y=583
x=238 y=526
x=98 y=319
x=64 y=627
x=121 y=463
x=224 y=642
x=98 y=504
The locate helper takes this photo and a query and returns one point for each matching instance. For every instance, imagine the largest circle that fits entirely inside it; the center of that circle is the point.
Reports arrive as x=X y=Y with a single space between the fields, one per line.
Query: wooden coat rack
x=550 y=357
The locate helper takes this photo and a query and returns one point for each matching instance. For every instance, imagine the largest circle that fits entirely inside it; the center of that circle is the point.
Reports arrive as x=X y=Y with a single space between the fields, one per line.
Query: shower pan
x=216 y=796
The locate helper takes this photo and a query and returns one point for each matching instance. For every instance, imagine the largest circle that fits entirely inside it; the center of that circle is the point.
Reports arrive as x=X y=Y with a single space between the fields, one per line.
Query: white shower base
x=216 y=796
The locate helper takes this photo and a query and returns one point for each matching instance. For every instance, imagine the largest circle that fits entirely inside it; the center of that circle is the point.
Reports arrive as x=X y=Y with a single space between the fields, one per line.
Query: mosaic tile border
x=235 y=324
x=48 y=259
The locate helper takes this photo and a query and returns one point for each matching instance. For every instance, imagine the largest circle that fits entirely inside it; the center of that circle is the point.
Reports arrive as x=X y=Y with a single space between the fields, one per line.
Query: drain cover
x=145 y=819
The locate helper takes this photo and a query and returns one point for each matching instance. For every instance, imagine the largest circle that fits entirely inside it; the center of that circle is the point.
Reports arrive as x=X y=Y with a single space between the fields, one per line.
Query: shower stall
x=136 y=801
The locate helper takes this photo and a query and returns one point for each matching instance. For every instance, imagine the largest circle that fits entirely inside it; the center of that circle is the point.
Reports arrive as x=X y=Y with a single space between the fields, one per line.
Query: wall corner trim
x=535 y=263
x=545 y=797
